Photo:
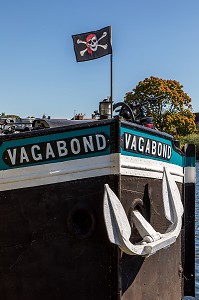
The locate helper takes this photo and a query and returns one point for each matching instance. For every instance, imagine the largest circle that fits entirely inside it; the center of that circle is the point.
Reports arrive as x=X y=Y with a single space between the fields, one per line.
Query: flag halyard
x=93 y=44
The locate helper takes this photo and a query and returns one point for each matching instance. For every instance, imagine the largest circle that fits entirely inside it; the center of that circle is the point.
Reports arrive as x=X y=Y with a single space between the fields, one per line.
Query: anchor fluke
x=119 y=229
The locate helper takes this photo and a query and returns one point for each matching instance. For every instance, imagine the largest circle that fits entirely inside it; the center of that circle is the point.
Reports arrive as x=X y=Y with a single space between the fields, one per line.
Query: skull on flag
x=92 y=43
x=92 y=48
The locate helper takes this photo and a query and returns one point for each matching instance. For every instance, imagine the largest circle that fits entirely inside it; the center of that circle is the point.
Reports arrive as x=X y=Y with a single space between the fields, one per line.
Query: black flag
x=93 y=44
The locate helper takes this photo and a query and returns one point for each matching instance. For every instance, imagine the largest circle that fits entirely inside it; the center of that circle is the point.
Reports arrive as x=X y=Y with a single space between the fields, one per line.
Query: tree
x=166 y=102
x=10 y=116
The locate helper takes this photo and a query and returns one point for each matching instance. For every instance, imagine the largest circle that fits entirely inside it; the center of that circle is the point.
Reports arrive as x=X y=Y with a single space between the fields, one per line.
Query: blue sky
x=38 y=70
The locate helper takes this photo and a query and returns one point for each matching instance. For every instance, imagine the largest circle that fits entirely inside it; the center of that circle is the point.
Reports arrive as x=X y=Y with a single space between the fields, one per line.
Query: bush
x=191 y=139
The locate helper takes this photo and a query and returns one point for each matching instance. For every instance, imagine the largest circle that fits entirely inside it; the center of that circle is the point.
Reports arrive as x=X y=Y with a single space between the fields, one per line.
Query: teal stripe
x=176 y=157
x=190 y=162
x=55 y=137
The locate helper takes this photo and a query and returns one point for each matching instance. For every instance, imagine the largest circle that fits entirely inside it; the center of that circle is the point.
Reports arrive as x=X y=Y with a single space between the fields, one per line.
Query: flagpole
x=111 y=77
x=111 y=83
x=85 y=51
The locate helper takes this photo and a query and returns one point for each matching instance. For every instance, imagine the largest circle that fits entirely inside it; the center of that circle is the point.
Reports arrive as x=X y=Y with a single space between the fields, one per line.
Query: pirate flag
x=91 y=45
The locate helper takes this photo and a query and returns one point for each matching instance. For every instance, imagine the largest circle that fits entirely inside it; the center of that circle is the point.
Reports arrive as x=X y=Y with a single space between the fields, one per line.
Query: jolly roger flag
x=93 y=44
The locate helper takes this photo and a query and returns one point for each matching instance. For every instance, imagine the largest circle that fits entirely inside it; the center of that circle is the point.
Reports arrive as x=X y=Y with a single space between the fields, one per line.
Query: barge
x=96 y=209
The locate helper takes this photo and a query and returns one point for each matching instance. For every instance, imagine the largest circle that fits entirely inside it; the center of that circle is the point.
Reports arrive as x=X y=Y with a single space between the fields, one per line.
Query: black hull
x=54 y=244
x=56 y=241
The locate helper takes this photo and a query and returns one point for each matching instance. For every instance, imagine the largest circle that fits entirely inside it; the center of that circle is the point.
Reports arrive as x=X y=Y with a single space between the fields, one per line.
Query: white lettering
x=12 y=155
x=36 y=156
x=100 y=144
x=75 y=146
x=88 y=145
x=133 y=144
x=164 y=154
x=23 y=155
x=148 y=148
x=141 y=144
x=61 y=147
x=169 y=152
x=159 y=149
x=49 y=151
x=127 y=140
x=153 y=148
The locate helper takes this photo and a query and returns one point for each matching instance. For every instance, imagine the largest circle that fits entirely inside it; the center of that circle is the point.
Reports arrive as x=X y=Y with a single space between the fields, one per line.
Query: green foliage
x=10 y=116
x=191 y=139
x=167 y=103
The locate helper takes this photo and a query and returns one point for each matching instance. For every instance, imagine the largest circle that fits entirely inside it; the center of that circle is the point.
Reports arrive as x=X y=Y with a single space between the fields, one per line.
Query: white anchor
x=119 y=229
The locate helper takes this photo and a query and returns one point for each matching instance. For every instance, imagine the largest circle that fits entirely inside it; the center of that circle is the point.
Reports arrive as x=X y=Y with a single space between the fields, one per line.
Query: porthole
x=81 y=222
